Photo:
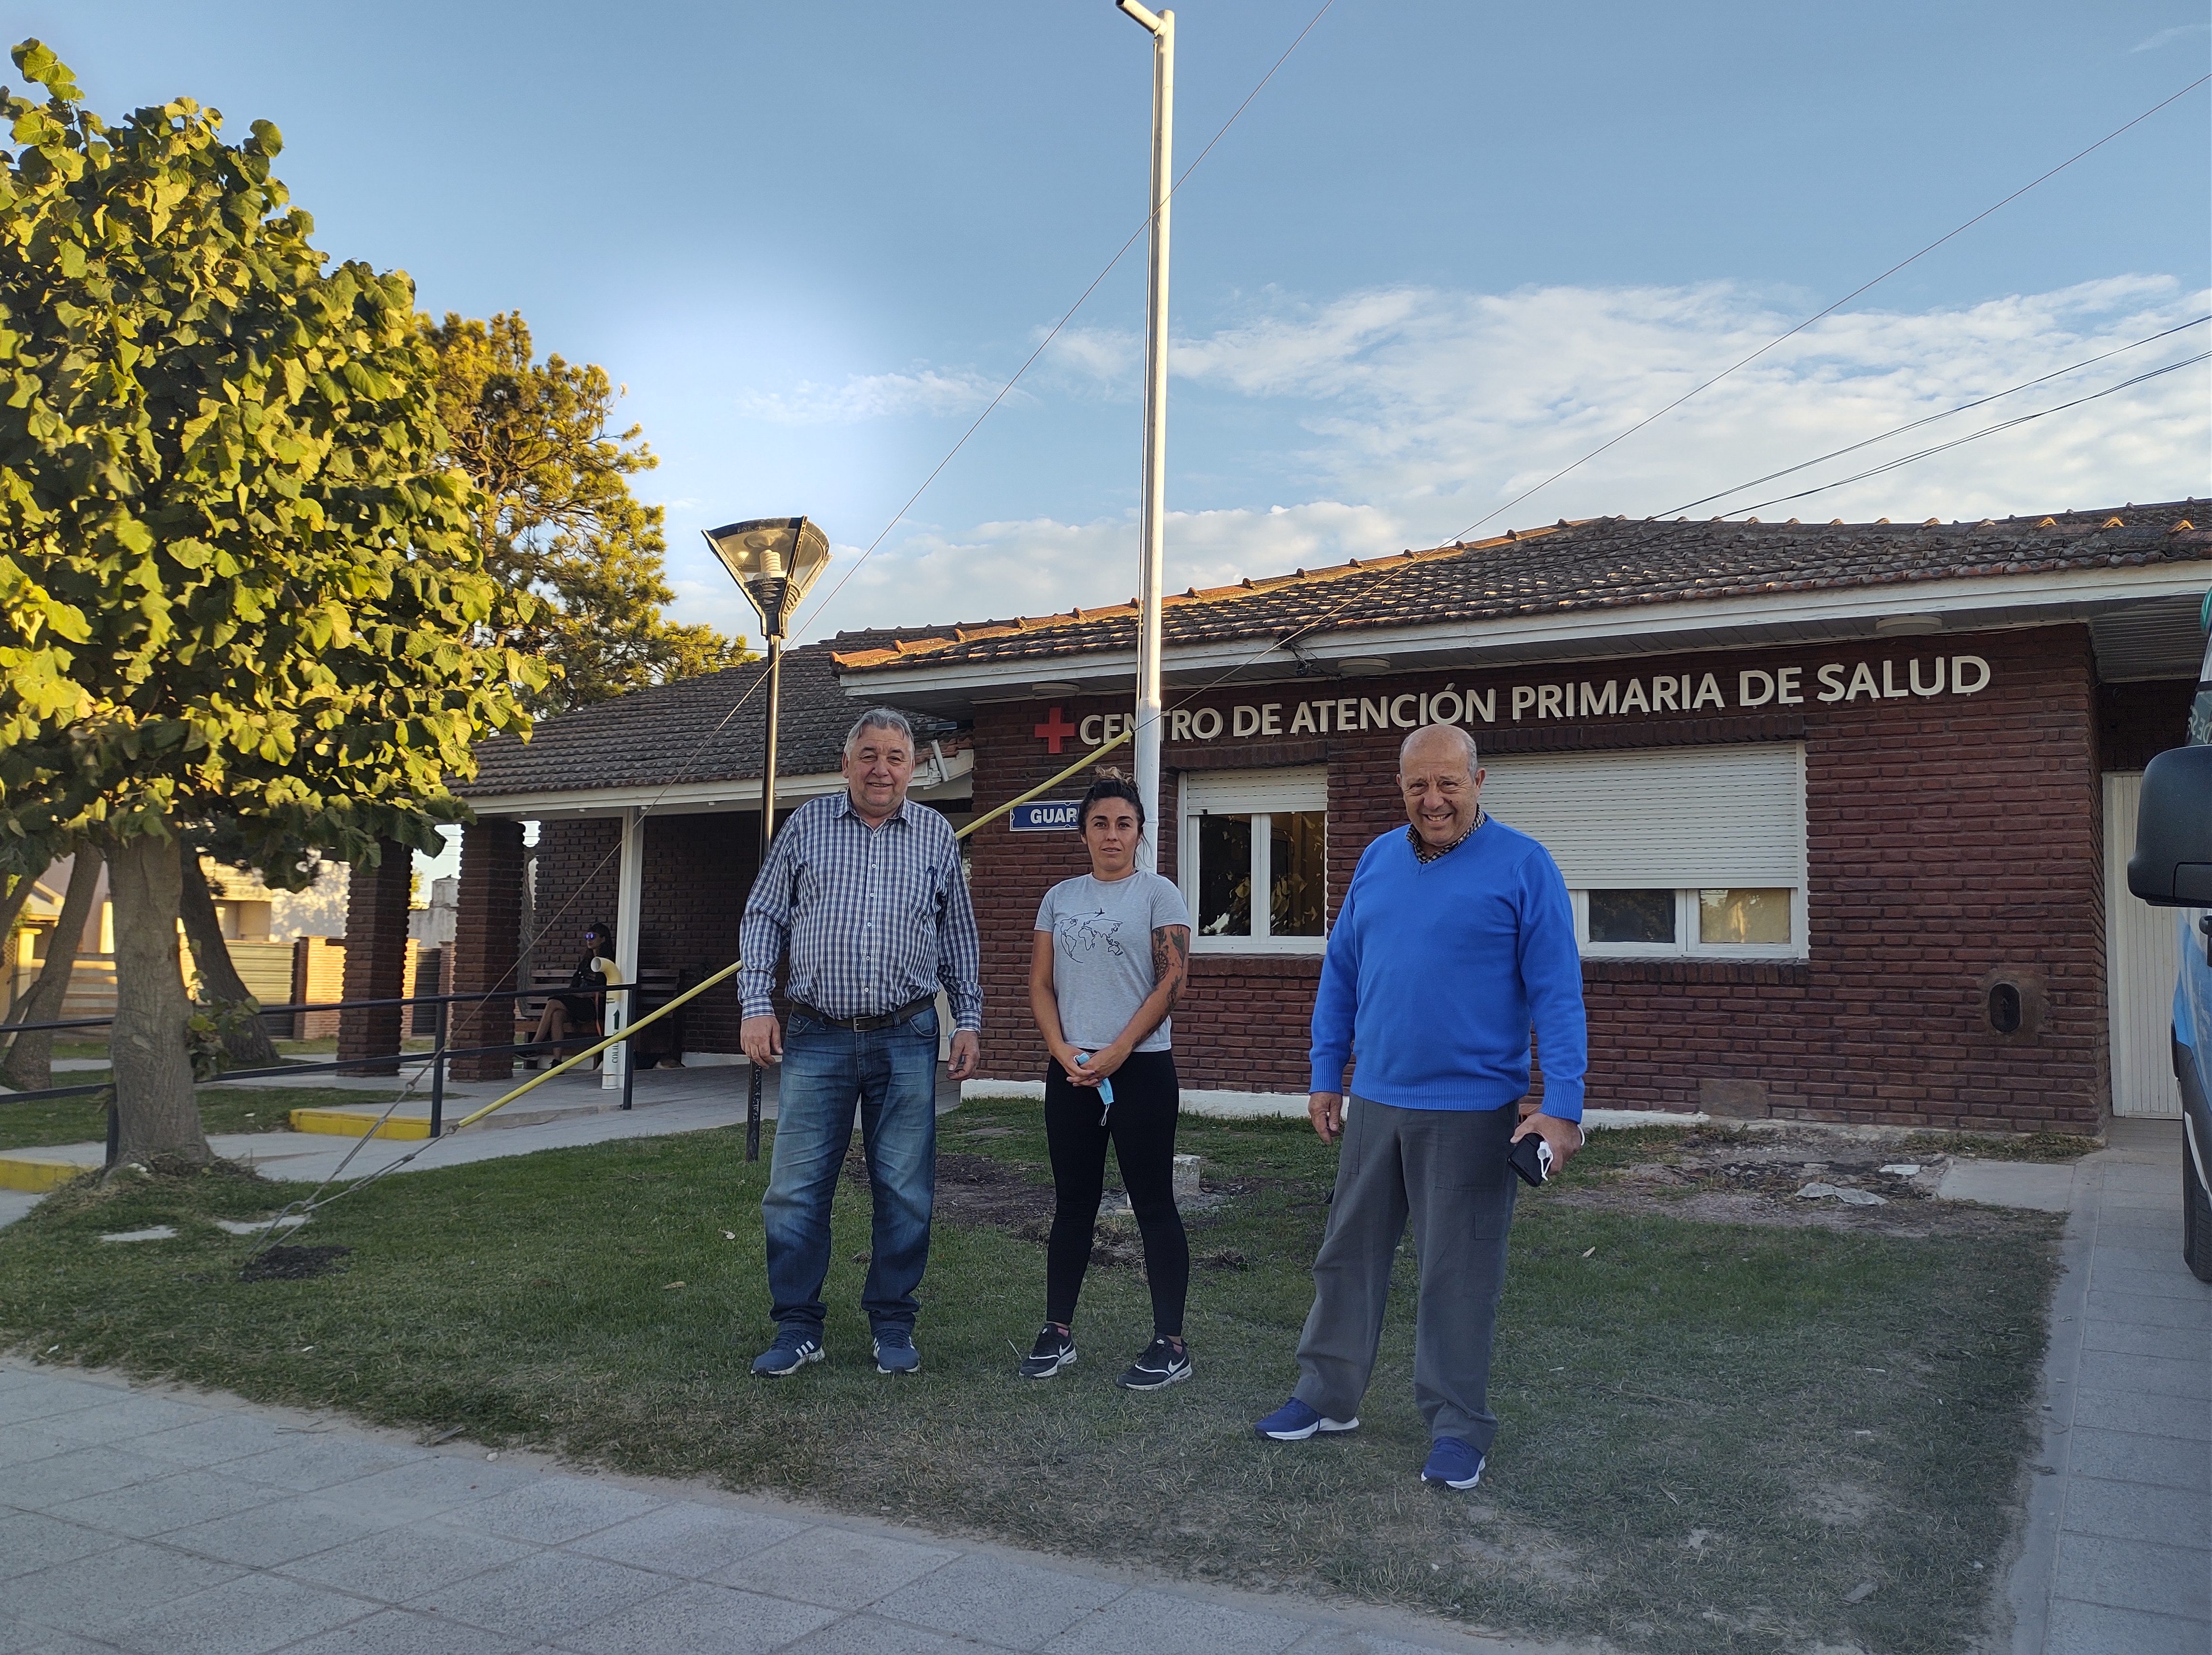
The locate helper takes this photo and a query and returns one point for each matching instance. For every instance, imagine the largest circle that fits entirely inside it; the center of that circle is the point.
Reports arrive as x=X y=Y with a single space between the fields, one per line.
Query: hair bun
x=1110 y=772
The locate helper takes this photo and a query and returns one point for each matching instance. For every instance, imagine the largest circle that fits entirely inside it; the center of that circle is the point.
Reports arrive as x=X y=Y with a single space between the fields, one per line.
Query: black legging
x=1142 y=1125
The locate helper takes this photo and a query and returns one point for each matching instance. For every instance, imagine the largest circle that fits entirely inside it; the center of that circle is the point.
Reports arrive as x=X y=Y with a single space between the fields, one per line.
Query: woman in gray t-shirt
x=1109 y=955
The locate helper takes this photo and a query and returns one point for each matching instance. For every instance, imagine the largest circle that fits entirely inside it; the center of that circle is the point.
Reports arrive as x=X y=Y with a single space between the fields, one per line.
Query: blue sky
x=1450 y=248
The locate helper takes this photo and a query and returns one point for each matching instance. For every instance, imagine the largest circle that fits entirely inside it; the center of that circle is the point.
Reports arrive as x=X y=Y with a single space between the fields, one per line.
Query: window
x=1258 y=831
x=1697 y=851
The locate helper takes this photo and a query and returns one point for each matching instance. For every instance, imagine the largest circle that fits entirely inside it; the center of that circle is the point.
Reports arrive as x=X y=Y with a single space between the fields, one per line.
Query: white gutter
x=1640 y=628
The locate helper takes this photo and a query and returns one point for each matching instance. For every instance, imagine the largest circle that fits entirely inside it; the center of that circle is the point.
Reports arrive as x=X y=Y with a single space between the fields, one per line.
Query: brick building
x=1843 y=807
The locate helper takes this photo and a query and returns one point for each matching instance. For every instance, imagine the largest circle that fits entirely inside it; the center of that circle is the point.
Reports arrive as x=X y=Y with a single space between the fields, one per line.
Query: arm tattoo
x=1171 y=959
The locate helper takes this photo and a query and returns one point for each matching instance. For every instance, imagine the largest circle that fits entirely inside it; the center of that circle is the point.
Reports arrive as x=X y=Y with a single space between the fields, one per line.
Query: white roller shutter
x=1685 y=817
x=1248 y=792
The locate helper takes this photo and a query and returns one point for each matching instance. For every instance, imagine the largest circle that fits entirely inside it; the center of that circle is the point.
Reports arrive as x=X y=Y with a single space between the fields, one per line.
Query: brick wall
x=487 y=943
x=376 y=957
x=1950 y=839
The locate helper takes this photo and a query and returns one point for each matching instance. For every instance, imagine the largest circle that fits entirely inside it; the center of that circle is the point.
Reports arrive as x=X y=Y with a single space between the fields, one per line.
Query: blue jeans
x=892 y=1072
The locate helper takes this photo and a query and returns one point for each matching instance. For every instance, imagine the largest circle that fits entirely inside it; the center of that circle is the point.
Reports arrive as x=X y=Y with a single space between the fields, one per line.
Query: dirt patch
x=1838 y=1505
x=293 y=1264
x=974 y=1190
x=1792 y=1177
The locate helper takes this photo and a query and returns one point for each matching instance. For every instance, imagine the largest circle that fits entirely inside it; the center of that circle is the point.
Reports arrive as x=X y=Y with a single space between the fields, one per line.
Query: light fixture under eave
x=1907 y=625
x=1365 y=663
x=774 y=561
x=1055 y=687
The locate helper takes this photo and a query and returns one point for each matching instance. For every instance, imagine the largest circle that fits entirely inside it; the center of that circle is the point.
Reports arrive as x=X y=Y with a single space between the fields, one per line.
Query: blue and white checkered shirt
x=874 y=918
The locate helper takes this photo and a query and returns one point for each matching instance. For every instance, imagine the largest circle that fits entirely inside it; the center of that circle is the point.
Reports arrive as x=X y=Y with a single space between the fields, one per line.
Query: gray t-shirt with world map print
x=1101 y=953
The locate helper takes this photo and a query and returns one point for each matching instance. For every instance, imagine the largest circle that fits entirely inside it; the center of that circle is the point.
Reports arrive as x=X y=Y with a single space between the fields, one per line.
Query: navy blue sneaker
x=794 y=1349
x=895 y=1351
x=1294 y=1422
x=1453 y=1464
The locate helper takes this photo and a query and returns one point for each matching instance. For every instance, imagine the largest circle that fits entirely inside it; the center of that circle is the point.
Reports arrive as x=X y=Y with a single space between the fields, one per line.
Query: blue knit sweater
x=1436 y=970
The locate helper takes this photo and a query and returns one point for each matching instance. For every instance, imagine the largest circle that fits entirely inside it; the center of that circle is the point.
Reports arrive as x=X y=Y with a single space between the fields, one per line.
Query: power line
x=1915 y=424
x=1831 y=310
x=1976 y=436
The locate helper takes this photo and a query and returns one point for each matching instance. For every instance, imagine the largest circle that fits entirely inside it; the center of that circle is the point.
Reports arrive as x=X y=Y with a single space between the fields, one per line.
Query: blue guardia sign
x=1046 y=816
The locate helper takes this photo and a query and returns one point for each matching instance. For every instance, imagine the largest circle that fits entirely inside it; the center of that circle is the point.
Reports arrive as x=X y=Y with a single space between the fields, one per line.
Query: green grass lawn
x=223 y=1109
x=1712 y=1434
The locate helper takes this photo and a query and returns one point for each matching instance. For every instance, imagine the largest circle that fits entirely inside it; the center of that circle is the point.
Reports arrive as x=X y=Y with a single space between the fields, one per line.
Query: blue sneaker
x=895 y=1351
x=1453 y=1464
x=1294 y=1422
x=794 y=1349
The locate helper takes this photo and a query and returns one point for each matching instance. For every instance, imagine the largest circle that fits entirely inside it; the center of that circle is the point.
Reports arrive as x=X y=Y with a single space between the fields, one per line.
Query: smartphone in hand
x=1531 y=1157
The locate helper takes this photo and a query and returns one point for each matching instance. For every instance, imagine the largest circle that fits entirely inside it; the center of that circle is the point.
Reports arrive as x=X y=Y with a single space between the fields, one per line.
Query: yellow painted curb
x=352 y=1123
x=38 y=1174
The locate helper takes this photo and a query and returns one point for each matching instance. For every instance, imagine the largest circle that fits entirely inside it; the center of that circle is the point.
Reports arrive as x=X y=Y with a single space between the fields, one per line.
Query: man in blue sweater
x=1456 y=933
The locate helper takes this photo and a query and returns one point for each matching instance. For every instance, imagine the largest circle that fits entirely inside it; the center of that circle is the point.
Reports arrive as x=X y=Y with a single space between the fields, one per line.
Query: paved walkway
x=169 y=1523
x=2117 y=1556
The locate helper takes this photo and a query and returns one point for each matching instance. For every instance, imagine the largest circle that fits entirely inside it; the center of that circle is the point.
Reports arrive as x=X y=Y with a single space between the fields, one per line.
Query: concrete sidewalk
x=167 y=1523
x=2117 y=1555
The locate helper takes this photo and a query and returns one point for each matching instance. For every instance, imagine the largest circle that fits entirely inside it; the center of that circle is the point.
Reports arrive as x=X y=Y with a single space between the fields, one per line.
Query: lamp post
x=1151 y=569
x=774 y=561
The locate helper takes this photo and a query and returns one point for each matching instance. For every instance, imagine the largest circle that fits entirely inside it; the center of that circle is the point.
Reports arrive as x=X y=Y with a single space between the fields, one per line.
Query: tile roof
x=1598 y=563
x=686 y=732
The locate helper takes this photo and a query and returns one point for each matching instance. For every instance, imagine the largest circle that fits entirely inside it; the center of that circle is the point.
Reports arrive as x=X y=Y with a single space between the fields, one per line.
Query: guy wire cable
x=1831 y=310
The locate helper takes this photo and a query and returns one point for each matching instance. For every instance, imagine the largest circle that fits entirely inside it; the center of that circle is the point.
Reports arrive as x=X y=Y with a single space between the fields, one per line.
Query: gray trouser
x=1447 y=1169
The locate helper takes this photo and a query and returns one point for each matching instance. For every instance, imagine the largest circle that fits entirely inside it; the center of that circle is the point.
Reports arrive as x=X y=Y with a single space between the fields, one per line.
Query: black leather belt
x=865 y=1025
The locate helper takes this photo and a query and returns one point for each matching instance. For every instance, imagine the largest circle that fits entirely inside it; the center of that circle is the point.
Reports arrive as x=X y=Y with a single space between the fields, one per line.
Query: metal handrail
x=438 y=1056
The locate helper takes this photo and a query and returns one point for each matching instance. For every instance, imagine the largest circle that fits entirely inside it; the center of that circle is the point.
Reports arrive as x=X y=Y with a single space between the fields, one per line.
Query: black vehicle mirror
x=2171 y=867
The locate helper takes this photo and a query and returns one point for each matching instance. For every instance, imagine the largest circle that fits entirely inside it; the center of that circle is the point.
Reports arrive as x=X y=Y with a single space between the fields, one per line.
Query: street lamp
x=774 y=561
x=1151 y=571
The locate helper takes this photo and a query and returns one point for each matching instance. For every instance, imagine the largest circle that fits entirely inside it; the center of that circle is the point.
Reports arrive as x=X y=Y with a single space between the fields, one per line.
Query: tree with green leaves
x=240 y=583
x=555 y=517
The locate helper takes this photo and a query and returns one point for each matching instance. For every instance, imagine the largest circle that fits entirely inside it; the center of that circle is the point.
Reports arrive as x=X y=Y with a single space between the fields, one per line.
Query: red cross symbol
x=1055 y=729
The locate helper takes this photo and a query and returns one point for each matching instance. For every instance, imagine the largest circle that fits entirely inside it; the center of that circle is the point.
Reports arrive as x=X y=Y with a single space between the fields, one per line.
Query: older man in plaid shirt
x=863 y=892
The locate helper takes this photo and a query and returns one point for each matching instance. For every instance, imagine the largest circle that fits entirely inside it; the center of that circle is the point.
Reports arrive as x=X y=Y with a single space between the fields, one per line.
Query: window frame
x=1265 y=794
x=1688 y=944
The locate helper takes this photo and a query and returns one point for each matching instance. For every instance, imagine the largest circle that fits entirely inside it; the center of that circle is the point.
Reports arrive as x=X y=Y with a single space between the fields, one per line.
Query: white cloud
x=2166 y=37
x=870 y=396
x=1112 y=358
x=1443 y=402
x=1422 y=409
x=1040 y=566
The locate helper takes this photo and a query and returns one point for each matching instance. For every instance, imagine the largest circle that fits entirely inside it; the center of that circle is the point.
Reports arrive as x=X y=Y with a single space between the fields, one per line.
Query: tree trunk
x=248 y=1041
x=157 y=1112
x=29 y=1067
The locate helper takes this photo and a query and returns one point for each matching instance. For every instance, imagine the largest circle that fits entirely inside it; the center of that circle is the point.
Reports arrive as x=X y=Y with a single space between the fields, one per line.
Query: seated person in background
x=583 y=1009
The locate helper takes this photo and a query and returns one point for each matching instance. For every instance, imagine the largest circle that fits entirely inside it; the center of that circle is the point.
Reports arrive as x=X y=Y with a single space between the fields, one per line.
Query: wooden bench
x=663 y=1043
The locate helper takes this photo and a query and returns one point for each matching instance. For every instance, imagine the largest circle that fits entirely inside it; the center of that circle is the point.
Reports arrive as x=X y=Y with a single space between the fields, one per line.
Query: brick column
x=376 y=959
x=487 y=944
